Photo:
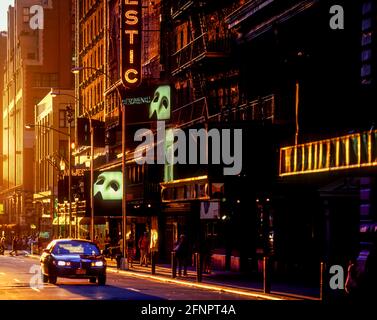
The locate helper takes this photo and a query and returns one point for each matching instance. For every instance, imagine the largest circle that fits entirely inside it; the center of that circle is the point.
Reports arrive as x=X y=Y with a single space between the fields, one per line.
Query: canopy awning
x=97 y=220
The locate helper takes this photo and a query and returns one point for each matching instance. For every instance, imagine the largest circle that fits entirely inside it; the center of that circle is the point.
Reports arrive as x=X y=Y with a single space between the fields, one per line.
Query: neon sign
x=131 y=43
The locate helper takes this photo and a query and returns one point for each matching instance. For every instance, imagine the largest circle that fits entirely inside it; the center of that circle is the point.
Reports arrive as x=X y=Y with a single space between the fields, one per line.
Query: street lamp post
x=91 y=180
x=30 y=126
x=58 y=93
x=124 y=265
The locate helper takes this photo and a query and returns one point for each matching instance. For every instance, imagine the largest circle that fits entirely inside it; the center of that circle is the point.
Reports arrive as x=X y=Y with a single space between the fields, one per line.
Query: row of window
x=86 y=5
x=185 y=192
x=93 y=94
x=94 y=59
x=113 y=102
x=45 y=80
x=135 y=174
x=92 y=28
x=366 y=41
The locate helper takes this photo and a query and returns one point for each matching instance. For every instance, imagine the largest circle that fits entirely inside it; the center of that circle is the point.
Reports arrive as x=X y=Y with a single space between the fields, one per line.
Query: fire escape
x=189 y=59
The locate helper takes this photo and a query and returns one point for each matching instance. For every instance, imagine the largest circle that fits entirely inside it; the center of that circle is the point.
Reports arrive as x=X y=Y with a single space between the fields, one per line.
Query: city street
x=17 y=272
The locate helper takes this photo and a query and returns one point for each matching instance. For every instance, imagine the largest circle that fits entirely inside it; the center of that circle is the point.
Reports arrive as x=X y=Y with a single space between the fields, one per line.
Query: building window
x=62 y=119
x=366 y=24
x=31 y=55
x=365 y=70
x=366 y=38
x=26 y=15
x=211 y=229
x=366 y=55
x=47 y=80
x=367 y=7
x=37 y=80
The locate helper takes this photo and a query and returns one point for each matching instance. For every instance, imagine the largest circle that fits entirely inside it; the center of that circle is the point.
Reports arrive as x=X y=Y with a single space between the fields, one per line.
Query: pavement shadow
x=108 y=292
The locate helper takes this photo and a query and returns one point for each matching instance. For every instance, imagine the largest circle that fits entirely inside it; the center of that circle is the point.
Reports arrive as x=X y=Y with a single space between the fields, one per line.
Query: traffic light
x=83 y=132
x=70 y=115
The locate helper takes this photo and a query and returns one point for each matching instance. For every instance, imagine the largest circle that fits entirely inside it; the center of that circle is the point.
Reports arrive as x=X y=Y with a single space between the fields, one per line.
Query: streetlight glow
x=76 y=70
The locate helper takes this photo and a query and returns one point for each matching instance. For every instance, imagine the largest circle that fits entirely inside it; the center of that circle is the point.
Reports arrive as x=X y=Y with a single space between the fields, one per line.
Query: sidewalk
x=226 y=279
x=230 y=282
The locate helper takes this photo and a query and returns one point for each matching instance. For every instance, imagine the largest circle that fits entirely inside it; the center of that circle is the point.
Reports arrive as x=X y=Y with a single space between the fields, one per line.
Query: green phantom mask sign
x=108 y=186
x=161 y=103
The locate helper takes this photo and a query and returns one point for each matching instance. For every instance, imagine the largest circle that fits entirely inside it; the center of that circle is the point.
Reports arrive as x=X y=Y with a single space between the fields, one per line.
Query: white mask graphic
x=161 y=103
x=109 y=186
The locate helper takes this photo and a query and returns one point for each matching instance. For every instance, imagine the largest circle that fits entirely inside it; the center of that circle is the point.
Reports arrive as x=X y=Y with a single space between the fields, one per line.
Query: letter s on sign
x=131 y=16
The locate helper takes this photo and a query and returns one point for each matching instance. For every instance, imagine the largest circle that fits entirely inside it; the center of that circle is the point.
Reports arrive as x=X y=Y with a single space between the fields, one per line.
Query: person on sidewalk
x=131 y=250
x=2 y=245
x=144 y=249
x=119 y=253
x=15 y=244
x=96 y=241
x=182 y=254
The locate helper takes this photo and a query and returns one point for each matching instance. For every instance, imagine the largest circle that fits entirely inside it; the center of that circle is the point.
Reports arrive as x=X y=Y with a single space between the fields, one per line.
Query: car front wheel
x=45 y=278
x=52 y=279
x=102 y=279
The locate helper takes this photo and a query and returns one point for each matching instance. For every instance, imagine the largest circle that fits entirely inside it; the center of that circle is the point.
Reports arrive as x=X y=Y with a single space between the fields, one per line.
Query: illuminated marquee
x=131 y=43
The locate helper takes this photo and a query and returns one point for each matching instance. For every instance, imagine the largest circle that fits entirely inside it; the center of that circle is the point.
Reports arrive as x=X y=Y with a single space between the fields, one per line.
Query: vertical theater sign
x=131 y=43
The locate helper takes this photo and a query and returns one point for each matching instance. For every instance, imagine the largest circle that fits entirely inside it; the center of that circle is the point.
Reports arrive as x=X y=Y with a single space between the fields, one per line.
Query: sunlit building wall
x=90 y=56
x=51 y=150
x=3 y=54
x=37 y=60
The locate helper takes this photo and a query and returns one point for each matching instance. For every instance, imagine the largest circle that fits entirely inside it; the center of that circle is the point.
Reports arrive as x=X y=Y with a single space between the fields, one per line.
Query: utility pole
x=91 y=180
x=70 y=119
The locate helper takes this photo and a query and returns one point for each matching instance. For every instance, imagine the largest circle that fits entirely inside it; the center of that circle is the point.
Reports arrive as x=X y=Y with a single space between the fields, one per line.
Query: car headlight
x=97 y=264
x=63 y=263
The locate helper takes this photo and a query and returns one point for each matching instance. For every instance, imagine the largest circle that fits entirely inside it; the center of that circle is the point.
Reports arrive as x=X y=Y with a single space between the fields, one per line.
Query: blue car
x=73 y=258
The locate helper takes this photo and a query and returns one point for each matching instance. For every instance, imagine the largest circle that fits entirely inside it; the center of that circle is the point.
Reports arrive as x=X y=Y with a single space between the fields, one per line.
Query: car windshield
x=75 y=247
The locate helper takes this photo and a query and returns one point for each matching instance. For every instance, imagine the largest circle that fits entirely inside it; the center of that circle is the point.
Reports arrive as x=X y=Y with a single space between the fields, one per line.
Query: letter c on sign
x=133 y=79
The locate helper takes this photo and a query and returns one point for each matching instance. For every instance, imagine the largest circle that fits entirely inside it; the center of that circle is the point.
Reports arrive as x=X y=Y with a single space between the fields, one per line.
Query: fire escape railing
x=197 y=49
x=196 y=111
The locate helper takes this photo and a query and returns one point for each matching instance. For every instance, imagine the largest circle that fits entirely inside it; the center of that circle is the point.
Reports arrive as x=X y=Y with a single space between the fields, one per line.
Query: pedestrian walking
x=144 y=249
x=182 y=254
x=119 y=253
x=131 y=249
x=96 y=241
x=2 y=245
x=15 y=246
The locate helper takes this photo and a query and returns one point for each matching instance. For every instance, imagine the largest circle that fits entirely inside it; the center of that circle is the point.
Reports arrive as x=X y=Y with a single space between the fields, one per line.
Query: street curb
x=225 y=289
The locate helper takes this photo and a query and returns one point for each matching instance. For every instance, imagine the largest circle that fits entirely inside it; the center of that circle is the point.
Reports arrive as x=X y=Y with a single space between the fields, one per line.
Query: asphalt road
x=19 y=281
